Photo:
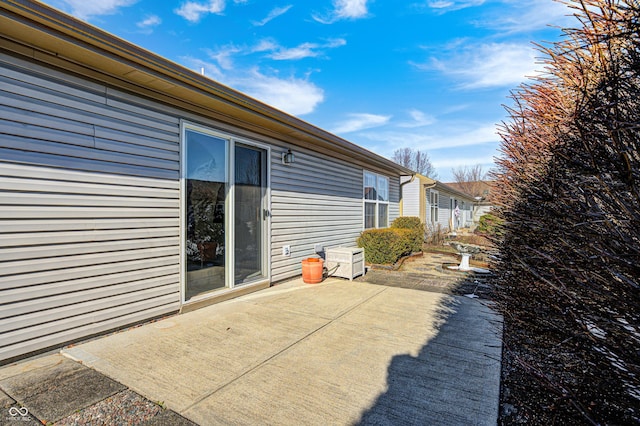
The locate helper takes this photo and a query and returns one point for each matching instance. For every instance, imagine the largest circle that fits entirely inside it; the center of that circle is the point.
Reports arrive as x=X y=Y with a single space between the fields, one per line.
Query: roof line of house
x=63 y=36
x=453 y=190
x=436 y=184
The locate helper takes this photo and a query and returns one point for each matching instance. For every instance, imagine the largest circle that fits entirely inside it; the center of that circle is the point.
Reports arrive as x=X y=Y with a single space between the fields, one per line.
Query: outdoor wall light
x=288 y=158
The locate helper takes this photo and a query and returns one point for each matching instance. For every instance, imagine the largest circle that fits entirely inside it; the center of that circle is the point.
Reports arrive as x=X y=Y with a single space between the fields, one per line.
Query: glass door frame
x=229 y=248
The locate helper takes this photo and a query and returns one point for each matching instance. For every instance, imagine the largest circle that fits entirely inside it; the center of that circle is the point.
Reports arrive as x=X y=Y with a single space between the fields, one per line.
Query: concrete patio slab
x=182 y=359
x=336 y=353
x=59 y=389
x=5 y=400
x=323 y=301
x=169 y=418
x=332 y=375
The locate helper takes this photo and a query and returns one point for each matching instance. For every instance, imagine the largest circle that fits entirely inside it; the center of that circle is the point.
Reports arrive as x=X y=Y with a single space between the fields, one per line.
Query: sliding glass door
x=206 y=225
x=224 y=212
x=250 y=213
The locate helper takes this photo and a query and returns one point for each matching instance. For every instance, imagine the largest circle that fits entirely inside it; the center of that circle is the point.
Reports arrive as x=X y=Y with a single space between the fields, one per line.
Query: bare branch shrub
x=568 y=190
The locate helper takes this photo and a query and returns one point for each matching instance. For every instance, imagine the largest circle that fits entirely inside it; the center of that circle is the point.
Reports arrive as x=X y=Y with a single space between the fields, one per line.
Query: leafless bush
x=568 y=191
x=435 y=235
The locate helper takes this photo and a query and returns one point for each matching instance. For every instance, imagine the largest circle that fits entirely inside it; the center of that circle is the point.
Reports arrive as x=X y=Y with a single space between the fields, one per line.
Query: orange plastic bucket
x=312 y=269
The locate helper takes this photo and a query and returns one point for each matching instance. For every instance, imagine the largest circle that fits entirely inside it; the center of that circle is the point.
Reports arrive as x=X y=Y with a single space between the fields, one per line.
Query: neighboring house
x=131 y=187
x=481 y=192
x=438 y=205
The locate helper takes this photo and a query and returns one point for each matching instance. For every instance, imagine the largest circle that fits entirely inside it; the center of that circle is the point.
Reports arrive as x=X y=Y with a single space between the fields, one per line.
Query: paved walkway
x=429 y=272
x=339 y=353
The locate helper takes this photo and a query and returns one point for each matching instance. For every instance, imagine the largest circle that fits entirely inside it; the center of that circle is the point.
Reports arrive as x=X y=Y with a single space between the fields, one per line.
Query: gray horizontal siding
x=75 y=125
x=92 y=324
x=444 y=213
x=394 y=198
x=89 y=208
x=316 y=200
x=445 y=207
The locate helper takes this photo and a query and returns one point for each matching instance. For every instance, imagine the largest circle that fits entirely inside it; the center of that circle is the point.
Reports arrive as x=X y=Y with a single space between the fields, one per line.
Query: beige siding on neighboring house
x=411 y=196
x=89 y=209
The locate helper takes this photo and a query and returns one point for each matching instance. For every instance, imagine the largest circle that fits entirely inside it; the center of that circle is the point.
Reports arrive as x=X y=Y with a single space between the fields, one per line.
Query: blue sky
x=426 y=74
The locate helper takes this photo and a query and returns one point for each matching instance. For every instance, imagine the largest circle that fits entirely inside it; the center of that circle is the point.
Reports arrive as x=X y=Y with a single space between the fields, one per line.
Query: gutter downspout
x=413 y=177
x=433 y=185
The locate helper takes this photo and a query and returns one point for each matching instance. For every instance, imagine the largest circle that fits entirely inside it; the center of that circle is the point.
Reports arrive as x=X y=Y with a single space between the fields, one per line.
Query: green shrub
x=386 y=246
x=488 y=224
x=416 y=228
x=407 y=222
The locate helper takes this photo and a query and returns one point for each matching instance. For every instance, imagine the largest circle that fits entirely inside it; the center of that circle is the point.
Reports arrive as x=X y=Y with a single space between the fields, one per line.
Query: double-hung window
x=376 y=201
x=433 y=206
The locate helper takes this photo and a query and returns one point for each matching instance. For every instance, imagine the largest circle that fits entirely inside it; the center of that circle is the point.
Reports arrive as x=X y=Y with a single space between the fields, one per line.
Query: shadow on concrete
x=455 y=378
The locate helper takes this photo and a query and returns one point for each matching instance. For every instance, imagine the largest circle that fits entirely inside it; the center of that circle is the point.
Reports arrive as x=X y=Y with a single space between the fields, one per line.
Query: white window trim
x=434 y=208
x=376 y=201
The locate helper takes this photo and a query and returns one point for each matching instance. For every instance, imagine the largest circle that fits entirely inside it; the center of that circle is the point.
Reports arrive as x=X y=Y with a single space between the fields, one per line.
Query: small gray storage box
x=345 y=262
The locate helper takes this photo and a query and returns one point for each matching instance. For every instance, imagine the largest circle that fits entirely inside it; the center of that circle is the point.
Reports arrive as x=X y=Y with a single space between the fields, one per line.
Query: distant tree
x=416 y=160
x=469 y=179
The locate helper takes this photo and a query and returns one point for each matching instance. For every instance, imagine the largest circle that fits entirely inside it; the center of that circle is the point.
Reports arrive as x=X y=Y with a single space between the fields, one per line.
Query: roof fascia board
x=443 y=187
x=75 y=34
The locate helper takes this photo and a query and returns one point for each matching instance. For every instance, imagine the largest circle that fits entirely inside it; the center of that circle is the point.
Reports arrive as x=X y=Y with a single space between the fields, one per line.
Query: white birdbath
x=464 y=262
x=465 y=251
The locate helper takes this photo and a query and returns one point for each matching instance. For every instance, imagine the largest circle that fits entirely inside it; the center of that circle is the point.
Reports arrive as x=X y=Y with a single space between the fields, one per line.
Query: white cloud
x=344 y=9
x=305 y=50
x=488 y=65
x=336 y=42
x=265 y=45
x=350 y=9
x=84 y=9
x=457 y=161
x=446 y=163
x=443 y=6
x=446 y=136
x=440 y=4
x=272 y=50
x=531 y=15
x=210 y=70
x=450 y=144
x=278 y=11
x=224 y=55
x=296 y=96
x=418 y=119
x=149 y=22
x=192 y=11
x=361 y=121
x=293 y=95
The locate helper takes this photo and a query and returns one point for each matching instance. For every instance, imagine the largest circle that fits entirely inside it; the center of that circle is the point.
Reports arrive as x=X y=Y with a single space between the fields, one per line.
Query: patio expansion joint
x=283 y=350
